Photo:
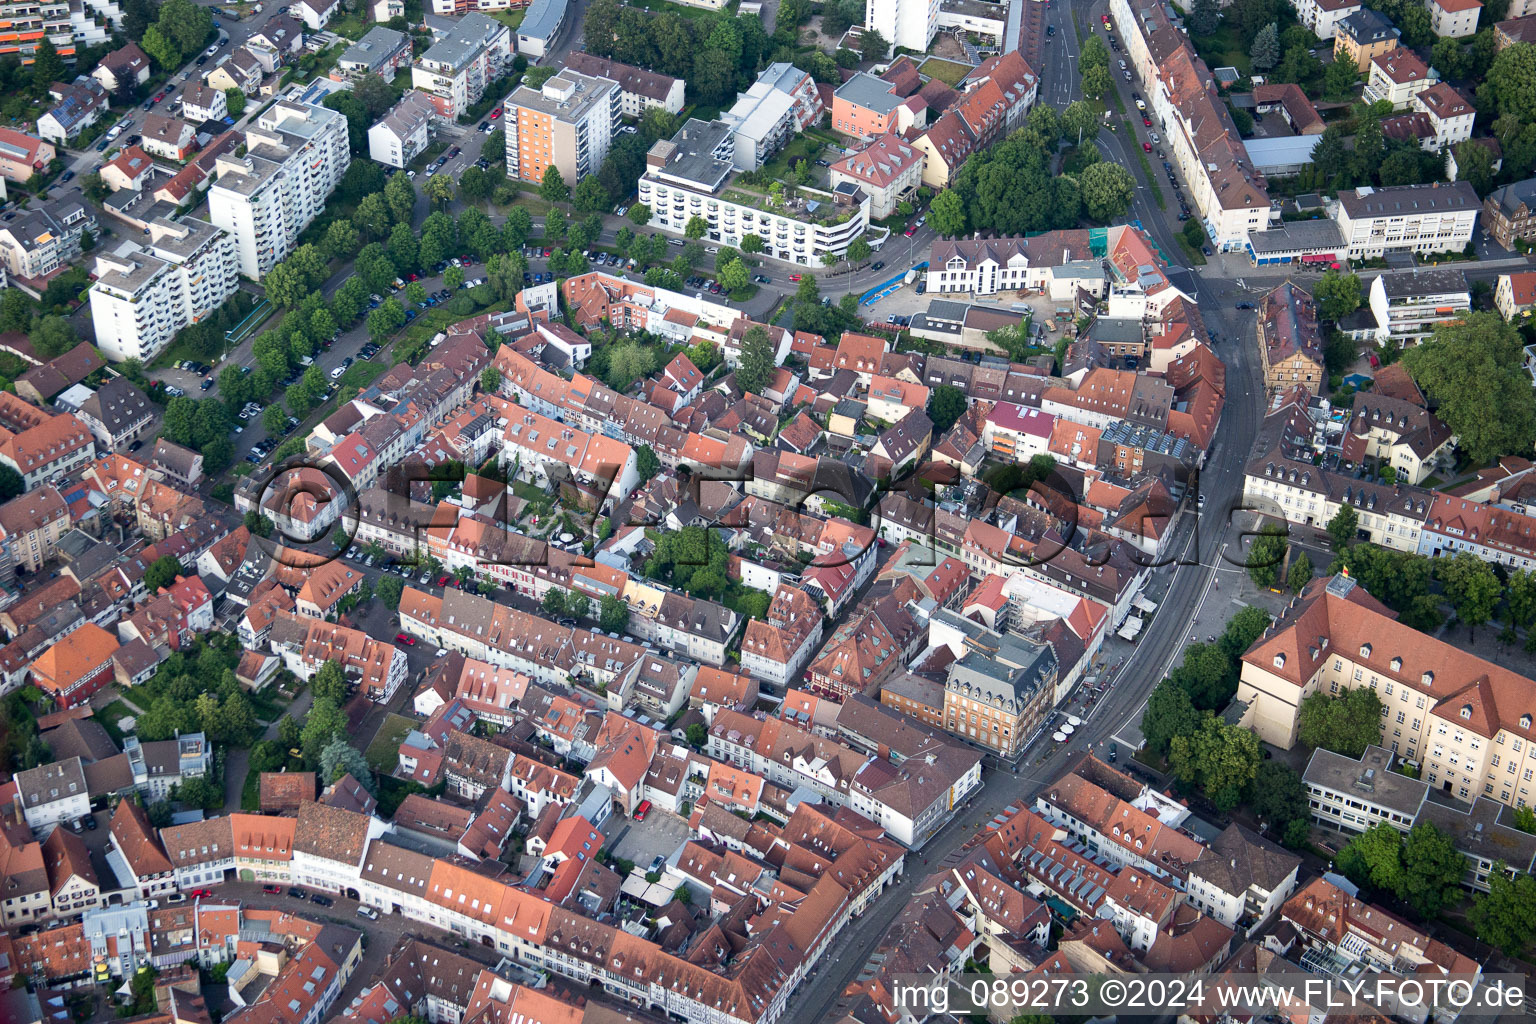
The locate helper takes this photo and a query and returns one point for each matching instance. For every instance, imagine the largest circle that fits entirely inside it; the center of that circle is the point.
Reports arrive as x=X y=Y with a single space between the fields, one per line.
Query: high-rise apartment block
x=143 y=296
x=569 y=123
x=294 y=157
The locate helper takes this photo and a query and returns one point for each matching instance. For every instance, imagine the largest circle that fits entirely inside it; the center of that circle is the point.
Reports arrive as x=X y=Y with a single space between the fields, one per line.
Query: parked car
x=877 y=265
x=319 y=900
x=368 y=912
x=406 y=638
x=272 y=890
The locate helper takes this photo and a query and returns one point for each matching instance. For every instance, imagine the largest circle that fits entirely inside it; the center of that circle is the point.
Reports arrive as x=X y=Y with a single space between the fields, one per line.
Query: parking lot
x=642 y=841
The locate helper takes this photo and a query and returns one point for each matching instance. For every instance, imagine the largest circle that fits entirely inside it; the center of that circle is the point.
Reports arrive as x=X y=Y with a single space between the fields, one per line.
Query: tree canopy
x=1346 y=723
x=1471 y=369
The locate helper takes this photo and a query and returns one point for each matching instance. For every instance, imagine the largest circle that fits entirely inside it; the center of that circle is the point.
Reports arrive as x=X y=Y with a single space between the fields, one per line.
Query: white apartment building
x=1397 y=76
x=295 y=156
x=909 y=23
x=404 y=132
x=1323 y=16
x=688 y=175
x=887 y=169
x=38 y=241
x=143 y=297
x=1453 y=19
x=455 y=70
x=782 y=103
x=1450 y=116
x=1229 y=193
x=639 y=89
x=1409 y=303
x=1355 y=795
x=1407 y=218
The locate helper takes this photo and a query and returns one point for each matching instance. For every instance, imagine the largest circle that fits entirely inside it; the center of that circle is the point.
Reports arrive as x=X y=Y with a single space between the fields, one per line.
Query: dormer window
x=1397 y=664
x=1280 y=660
x=1466 y=711
x=1427 y=679
x=1525 y=721
x=1365 y=650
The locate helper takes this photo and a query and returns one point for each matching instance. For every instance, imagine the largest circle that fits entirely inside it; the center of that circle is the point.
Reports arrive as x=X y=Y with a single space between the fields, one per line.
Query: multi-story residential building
x=776 y=648
x=77 y=106
x=906 y=23
x=542 y=25
x=639 y=89
x=1397 y=76
x=168 y=137
x=135 y=855
x=866 y=106
x=73 y=885
x=1511 y=212
x=143 y=297
x=123 y=68
x=1000 y=685
x=690 y=176
x=31 y=526
x=27 y=24
x=1322 y=17
x=1363 y=35
x=22 y=155
x=1464 y=719
x=1353 y=795
x=40 y=445
x=1453 y=18
x=41 y=239
x=1408 y=304
x=782 y=103
x=1450 y=116
x=1289 y=342
x=888 y=169
x=76 y=666
x=53 y=792
x=295 y=156
x=1229 y=193
x=568 y=124
x=1407 y=218
x=1515 y=294
x=202 y=102
x=241 y=70
x=402 y=134
x=1514 y=30
x=382 y=51
x=1242 y=879
x=455 y=71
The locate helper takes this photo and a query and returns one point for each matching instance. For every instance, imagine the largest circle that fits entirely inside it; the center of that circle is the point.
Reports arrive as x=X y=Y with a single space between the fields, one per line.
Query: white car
x=1153 y=137
x=336 y=373
x=212 y=50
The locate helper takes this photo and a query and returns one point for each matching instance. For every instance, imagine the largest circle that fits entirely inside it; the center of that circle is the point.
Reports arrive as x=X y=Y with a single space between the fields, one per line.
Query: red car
x=912 y=230
x=1104 y=18
x=642 y=810
x=198 y=894
x=406 y=639
x=442 y=581
x=793 y=278
x=272 y=890
x=1147 y=121
x=1147 y=146
x=413 y=277
x=497 y=112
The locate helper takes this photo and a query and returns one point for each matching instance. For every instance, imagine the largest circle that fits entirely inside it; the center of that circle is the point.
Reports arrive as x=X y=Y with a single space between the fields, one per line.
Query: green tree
x=752 y=243
x=1505 y=916
x=1337 y=294
x=1265 y=51
x=439 y=189
x=1474 y=165
x=646 y=462
x=553 y=188
x=1471 y=586
x=11 y=483
x=400 y=197
x=1432 y=870
x=698 y=736
x=1279 y=796
x=159 y=47
x=340 y=758
x=1300 y=573
x=873 y=45
x=490 y=380
x=52 y=335
x=697 y=227
x=162 y=572
x=274 y=419
x=1345 y=724
x=388 y=590
x=639 y=214
x=1342 y=527
x=1169 y=713
x=1520 y=594
x=329 y=683
x=1221 y=759
x=1374 y=859
x=186 y=23
x=1340 y=78
x=946 y=405
x=590 y=196
x=47 y=65
x=1204 y=17
x=612 y=614
x=947 y=214
x=757 y=361
x=1194 y=233
x=1107 y=190
x=859 y=251
x=199 y=791
x=325 y=722
x=234 y=102
x=453 y=278
x=1266 y=554
x=1080 y=123
x=1096 y=81
x=1469 y=367
x=733 y=276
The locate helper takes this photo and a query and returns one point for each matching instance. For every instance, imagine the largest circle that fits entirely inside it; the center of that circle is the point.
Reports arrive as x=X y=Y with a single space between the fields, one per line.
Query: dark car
x=206 y=384
x=66 y=176
x=319 y=900
x=1245 y=305
x=877 y=265
x=136 y=446
x=90 y=823
x=296 y=893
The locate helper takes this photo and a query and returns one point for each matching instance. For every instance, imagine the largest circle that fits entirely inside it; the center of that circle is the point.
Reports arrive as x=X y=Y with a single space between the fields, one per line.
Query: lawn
x=353 y=26
x=663 y=6
x=383 y=752
x=511 y=19
x=1224 y=48
x=360 y=374
x=108 y=717
x=947 y=71
x=804 y=147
